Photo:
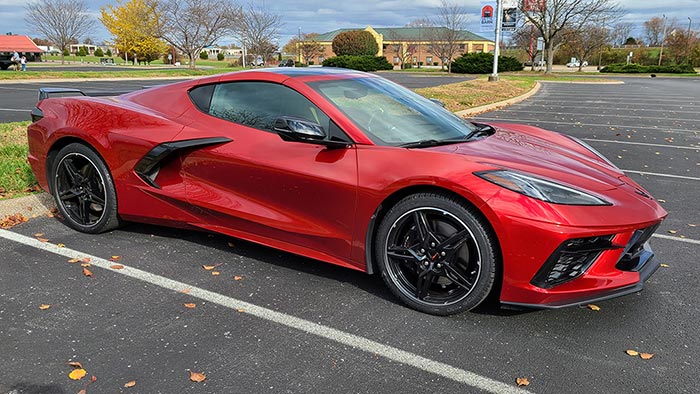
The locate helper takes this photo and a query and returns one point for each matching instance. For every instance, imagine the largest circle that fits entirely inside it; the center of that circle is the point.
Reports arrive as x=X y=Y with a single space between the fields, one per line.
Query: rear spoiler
x=45 y=93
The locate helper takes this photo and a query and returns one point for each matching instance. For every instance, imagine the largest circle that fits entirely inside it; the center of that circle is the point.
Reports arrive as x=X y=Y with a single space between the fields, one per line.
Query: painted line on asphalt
x=527 y=111
x=614 y=104
x=642 y=144
x=569 y=123
x=551 y=107
x=690 y=178
x=389 y=352
x=687 y=240
x=15 y=110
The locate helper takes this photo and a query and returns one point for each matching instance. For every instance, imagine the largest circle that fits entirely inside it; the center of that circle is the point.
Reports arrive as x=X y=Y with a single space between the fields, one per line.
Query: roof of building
x=18 y=44
x=404 y=34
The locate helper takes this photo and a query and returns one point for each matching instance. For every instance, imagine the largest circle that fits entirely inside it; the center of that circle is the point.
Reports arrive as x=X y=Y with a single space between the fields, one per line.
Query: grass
x=463 y=95
x=136 y=73
x=16 y=177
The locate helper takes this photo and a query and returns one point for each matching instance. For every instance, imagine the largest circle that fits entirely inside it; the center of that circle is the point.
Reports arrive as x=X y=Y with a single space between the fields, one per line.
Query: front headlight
x=591 y=149
x=539 y=188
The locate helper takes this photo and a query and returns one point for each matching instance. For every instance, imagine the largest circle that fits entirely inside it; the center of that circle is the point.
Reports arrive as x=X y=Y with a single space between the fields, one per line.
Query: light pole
x=690 y=21
x=663 y=38
x=499 y=20
x=299 y=46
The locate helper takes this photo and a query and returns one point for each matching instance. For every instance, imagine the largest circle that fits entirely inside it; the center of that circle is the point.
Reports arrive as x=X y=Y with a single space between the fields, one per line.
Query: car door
x=297 y=196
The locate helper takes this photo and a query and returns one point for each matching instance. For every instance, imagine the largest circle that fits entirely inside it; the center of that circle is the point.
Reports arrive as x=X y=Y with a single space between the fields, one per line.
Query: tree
x=402 y=46
x=134 y=24
x=525 y=38
x=585 y=41
x=99 y=53
x=191 y=25
x=447 y=32
x=259 y=30
x=309 y=47
x=553 y=17
x=355 y=43
x=620 y=33
x=654 y=30
x=61 y=21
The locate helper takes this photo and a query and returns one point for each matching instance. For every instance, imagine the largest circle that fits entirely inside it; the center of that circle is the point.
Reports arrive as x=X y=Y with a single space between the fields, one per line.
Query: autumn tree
x=355 y=43
x=553 y=17
x=585 y=41
x=310 y=48
x=446 y=33
x=191 y=25
x=60 y=21
x=401 y=45
x=258 y=29
x=134 y=25
x=619 y=33
x=525 y=38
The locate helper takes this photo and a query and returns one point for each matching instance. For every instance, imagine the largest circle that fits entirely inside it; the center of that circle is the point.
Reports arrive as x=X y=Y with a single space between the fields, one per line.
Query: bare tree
x=446 y=32
x=585 y=41
x=525 y=38
x=61 y=21
x=401 y=45
x=309 y=47
x=553 y=17
x=619 y=34
x=191 y=25
x=258 y=30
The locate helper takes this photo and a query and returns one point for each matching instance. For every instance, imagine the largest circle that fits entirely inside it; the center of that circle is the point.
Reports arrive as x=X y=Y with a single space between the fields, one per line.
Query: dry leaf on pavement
x=115 y=258
x=237 y=277
x=87 y=272
x=190 y=305
x=75 y=364
x=522 y=382
x=664 y=265
x=83 y=391
x=130 y=383
x=210 y=267
x=44 y=307
x=632 y=353
x=42 y=240
x=216 y=273
x=73 y=260
x=86 y=265
x=646 y=356
x=197 y=377
x=240 y=310
x=61 y=245
x=117 y=267
x=186 y=291
x=593 y=307
x=77 y=374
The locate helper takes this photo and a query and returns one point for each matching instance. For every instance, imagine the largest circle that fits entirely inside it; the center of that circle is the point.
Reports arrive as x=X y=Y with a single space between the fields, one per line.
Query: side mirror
x=438 y=102
x=302 y=130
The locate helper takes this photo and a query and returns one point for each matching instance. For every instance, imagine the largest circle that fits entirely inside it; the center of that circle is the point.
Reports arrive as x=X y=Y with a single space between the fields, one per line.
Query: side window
x=258 y=104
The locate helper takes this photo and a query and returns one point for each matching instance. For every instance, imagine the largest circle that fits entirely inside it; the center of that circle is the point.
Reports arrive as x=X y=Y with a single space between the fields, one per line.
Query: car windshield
x=392 y=115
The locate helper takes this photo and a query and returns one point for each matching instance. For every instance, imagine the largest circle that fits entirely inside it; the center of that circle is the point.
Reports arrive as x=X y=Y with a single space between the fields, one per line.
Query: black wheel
x=83 y=189
x=436 y=254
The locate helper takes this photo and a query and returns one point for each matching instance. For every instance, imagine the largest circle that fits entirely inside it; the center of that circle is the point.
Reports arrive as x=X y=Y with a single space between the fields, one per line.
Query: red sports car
x=352 y=169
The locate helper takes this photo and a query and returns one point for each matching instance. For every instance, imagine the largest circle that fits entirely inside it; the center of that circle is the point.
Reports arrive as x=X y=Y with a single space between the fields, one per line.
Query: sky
x=321 y=16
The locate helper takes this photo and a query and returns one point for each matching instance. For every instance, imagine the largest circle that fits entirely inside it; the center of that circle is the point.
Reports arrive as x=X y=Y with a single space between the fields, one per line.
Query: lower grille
x=635 y=254
x=571 y=259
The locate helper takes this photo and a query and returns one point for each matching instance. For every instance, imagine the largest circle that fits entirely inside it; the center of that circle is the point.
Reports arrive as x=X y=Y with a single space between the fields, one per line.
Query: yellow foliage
x=133 y=24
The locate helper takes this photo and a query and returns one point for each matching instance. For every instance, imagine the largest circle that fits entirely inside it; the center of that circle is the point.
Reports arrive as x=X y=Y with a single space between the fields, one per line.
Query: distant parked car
x=258 y=62
x=576 y=64
x=287 y=63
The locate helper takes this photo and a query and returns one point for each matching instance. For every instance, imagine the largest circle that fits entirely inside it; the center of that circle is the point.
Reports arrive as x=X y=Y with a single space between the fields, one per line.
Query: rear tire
x=83 y=189
x=437 y=254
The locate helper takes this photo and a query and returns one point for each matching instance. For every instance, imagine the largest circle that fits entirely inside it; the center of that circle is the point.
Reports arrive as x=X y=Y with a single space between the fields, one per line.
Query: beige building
x=413 y=44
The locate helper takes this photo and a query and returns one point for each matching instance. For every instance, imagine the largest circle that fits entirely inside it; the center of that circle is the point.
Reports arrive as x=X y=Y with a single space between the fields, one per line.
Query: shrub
x=66 y=52
x=99 y=53
x=361 y=63
x=109 y=52
x=300 y=64
x=482 y=63
x=219 y=56
x=634 y=68
x=355 y=43
x=82 y=52
x=203 y=55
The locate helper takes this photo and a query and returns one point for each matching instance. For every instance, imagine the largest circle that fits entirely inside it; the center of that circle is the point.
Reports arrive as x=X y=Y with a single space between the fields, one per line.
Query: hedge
x=482 y=63
x=634 y=68
x=361 y=63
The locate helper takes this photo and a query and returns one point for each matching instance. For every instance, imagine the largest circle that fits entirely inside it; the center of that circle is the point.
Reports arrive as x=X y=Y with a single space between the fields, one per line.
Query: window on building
x=428 y=60
x=396 y=60
x=478 y=47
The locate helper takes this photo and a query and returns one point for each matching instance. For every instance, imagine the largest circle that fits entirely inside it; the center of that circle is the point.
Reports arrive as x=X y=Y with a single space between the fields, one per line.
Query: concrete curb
x=490 y=107
x=30 y=206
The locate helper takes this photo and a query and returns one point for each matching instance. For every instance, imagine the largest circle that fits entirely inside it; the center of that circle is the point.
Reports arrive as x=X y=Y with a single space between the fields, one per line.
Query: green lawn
x=16 y=176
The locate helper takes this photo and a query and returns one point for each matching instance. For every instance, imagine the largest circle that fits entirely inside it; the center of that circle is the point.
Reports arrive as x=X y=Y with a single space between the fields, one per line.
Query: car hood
x=539 y=152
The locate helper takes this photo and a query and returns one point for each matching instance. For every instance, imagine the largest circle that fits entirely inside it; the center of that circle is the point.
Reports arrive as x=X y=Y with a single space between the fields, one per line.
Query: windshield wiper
x=431 y=142
x=481 y=129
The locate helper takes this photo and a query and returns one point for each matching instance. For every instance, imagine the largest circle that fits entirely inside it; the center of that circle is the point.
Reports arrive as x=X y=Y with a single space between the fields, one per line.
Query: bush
x=634 y=68
x=361 y=63
x=355 y=43
x=109 y=52
x=300 y=64
x=203 y=55
x=99 y=53
x=82 y=52
x=66 y=52
x=219 y=56
x=482 y=63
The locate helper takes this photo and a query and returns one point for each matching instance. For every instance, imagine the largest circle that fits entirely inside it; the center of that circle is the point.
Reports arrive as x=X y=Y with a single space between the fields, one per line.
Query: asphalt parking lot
x=294 y=325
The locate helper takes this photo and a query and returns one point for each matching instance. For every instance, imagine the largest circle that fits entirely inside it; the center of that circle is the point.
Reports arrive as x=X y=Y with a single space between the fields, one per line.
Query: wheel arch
x=400 y=194
x=60 y=144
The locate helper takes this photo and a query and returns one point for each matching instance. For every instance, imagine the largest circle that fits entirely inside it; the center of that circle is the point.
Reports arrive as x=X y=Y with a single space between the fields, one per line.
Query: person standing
x=23 y=62
x=15 y=61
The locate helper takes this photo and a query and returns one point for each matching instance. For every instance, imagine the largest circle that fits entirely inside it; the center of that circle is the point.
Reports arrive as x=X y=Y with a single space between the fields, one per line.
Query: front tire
x=83 y=189
x=437 y=254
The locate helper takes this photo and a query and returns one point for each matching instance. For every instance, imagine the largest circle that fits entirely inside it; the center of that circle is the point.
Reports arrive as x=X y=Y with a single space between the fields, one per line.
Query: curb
x=490 y=107
x=31 y=206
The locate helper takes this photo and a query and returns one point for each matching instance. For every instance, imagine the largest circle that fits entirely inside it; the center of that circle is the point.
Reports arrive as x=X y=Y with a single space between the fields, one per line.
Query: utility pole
x=499 y=20
x=690 y=21
x=663 y=38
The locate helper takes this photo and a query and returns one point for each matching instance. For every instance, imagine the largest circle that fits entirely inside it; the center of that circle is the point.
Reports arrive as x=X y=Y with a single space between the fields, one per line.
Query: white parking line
x=578 y=124
x=690 y=178
x=686 y=240
x=695 y=148
x=633 y=116
x=425 y=364
x=15 y=110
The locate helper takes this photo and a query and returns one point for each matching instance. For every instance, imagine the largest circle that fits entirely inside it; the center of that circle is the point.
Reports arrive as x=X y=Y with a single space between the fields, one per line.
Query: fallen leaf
x=61 y=245
x=190 y=305
x=44 y=307
x=12 y=220
x=672 y=231
x=77 y=374
x=186 y=291
x=39 y=234
x=661 y=200
x=93 y=379
x=115 y=258
x=75 y=364
x=522 y=382
x=130 y=383
x=216 y=273
x=692 y=225
x=87 y=272
x=231 y=244
x=237 y=277
x=240 y=310
x=73 y=260
x=117 y=267
x=85 y=260
x=210 y=267
x=42 y=240
x=664 y=265
x=593 y=307
x=632 y=353
x=83 y=391
x=197 y=377
x=646 y=356
x=86 y=265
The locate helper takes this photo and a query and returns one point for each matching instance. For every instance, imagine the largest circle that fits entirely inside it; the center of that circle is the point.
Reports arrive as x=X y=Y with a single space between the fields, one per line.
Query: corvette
x=349 y=168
